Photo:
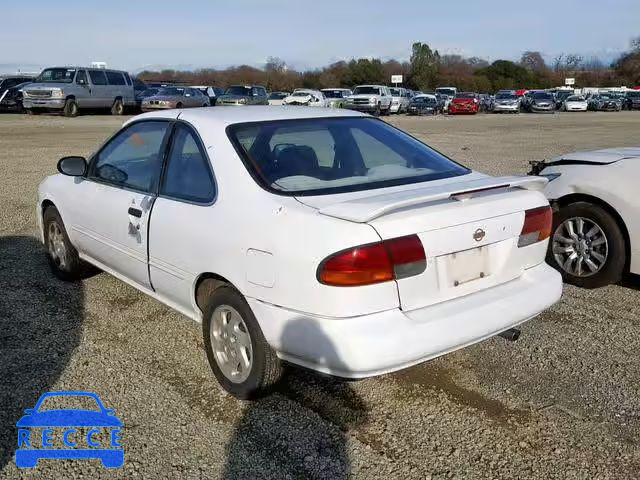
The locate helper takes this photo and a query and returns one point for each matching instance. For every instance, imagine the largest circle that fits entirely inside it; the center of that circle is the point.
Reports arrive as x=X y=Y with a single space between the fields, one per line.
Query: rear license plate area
x=467 y=266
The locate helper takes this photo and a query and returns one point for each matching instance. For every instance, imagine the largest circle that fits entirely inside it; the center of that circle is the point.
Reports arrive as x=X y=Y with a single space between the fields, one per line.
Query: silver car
x=71 y=89
x=175 y=97
x=506 y=102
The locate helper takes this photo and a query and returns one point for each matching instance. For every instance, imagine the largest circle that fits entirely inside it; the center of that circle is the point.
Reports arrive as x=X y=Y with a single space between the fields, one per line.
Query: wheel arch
x=206 y=283
x=583 y=197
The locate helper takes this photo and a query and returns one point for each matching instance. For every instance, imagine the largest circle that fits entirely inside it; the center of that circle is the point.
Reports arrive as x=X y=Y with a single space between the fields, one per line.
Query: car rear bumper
x=383 y=342
x=49 y=103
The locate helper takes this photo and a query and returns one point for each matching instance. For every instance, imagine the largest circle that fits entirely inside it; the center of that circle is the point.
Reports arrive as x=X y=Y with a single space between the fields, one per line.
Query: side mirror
x=72 y=166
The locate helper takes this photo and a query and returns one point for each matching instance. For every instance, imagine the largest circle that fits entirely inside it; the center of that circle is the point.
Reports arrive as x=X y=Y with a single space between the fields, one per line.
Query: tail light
x=537 y=226
x=393 y=259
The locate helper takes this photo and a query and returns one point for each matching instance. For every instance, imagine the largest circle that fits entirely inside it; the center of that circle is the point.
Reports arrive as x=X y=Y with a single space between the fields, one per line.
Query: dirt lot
x=563 y=402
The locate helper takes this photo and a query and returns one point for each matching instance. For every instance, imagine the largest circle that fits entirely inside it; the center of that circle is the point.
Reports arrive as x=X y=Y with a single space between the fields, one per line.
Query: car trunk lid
x=469 y=230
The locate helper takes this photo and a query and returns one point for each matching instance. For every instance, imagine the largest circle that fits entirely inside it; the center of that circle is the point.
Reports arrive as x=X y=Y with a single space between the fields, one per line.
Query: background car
x=423 y=105
x=541 y=102
x=149 y=92
x=604 y=102
x=506 y=101
x=212 y=93
x=306 y=97
x=9 y=81
x=399 y=99
x=596 y=224
x=175 y=97
x=336 y=97
x=11 y=99
x=374 y=99
x=560 y=97
x=275 y=98
x=632 y=100
x=575 y=103
x=241 y=95
x=464 y=102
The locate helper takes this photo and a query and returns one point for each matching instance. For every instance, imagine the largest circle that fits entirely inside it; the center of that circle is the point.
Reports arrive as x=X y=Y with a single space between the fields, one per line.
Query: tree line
x=425 y=70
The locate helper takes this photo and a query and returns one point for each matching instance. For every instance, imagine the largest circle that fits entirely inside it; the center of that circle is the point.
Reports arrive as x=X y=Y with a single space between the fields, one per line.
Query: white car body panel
x=269 y=247
x=609 y=175
x=313 y=98
x=576 y=106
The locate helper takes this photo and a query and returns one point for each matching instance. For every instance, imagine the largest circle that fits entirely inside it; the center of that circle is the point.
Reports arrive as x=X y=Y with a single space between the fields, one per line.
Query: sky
x=137 y=34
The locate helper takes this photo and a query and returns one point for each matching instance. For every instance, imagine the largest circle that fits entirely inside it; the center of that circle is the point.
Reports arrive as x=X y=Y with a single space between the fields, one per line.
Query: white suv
x=375 y=99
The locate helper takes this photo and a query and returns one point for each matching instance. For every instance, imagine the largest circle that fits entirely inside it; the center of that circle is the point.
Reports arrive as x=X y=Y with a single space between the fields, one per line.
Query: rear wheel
x=587 y=246
x=70 y=108
x=118 y=107
x=242 y=361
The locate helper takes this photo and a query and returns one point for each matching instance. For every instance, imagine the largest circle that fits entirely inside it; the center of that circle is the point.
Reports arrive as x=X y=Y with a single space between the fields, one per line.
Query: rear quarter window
x=115 y=78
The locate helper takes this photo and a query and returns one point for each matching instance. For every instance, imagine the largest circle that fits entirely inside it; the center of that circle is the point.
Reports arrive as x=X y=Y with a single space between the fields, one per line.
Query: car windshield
x=542 y=96
x=334 y=93
x=243 y=91
x=366 y=91
x=277 y=96
x=66 y=402
x=301 y=94
x=149 y=92
x=466 y=95
x=575 y=98
x=425 y=100
x=57 y=75
x=171 y=91
x=446 y=91
x=322 y=156
x=506 y=96
x=633 y=94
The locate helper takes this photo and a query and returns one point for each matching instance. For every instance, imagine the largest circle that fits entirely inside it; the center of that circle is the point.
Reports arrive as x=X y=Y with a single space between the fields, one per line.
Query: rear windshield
x=57 y=75
x=466 y=95
x=506 y=96
x=243 y=91
x=322 y=156
x=366 y=91
x=542 y=96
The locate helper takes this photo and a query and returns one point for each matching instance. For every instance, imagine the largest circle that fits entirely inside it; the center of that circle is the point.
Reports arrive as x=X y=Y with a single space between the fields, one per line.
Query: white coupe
x=327 y=239
x=596 y=228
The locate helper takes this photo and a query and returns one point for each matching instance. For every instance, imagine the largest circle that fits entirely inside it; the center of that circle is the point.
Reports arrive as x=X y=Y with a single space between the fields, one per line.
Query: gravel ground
x=562 y=402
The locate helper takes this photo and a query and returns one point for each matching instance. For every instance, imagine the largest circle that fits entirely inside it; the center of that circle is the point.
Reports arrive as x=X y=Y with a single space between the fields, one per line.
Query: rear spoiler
x=363 y=210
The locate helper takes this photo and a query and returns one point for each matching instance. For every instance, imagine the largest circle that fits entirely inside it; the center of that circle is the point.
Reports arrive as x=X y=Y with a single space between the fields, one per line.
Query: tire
x=118 y=107
x=70 y=108
x=613 y=250
x=178 y=105
x=264 y=370
x=62 y=256
x=377 y=112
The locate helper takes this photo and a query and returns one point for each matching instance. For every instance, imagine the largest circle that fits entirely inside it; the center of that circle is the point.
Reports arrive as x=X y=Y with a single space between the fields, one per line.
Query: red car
x=465 y=102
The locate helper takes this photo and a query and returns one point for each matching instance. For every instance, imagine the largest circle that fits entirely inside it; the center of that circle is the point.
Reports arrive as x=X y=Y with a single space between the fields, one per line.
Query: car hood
x=166 y=98
x=69 y=418
x=605 y=156
x=297 y=99
x=234 y=97
x=462 y=100
x=46 y=86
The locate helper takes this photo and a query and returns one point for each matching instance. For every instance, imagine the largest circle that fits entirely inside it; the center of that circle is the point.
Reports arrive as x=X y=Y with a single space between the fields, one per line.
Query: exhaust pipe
x=512 y=334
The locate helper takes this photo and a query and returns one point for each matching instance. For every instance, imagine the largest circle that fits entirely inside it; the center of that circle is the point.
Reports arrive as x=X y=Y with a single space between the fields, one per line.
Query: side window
x=262 y=92
x=81 y=77
x=188 y=174
x=127 y=78
x=98 y=77
x=115 y=78
x=132 y=158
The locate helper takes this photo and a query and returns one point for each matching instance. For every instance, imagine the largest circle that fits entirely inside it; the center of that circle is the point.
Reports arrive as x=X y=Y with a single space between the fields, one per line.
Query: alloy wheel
x=580 y=247
x=231 y=343
x=57 y=247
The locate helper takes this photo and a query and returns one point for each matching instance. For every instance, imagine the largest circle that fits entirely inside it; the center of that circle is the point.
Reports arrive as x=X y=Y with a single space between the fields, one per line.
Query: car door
x=83 y=90
x=99 y=89
x=113 y=203
x=184 y=204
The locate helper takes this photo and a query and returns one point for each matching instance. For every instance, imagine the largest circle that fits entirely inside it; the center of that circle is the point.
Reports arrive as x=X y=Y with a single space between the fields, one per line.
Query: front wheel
x=70 y=108
x=587 y=246
x=62 y=256
x=242 y=361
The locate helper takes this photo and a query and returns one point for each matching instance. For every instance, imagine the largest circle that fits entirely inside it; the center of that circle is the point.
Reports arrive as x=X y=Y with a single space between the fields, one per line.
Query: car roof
x=222 y=117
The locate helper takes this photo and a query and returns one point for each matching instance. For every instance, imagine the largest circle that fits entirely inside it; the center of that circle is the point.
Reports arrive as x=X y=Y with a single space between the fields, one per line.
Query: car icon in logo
x=37 y=429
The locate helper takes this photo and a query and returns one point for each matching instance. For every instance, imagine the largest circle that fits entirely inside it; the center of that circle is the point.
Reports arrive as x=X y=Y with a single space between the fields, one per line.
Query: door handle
x=135 y=212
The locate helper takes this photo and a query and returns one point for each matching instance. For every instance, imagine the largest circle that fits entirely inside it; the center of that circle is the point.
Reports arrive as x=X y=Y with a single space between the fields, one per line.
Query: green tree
x=424 y=66
x=504 y=74
x=364 y=71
